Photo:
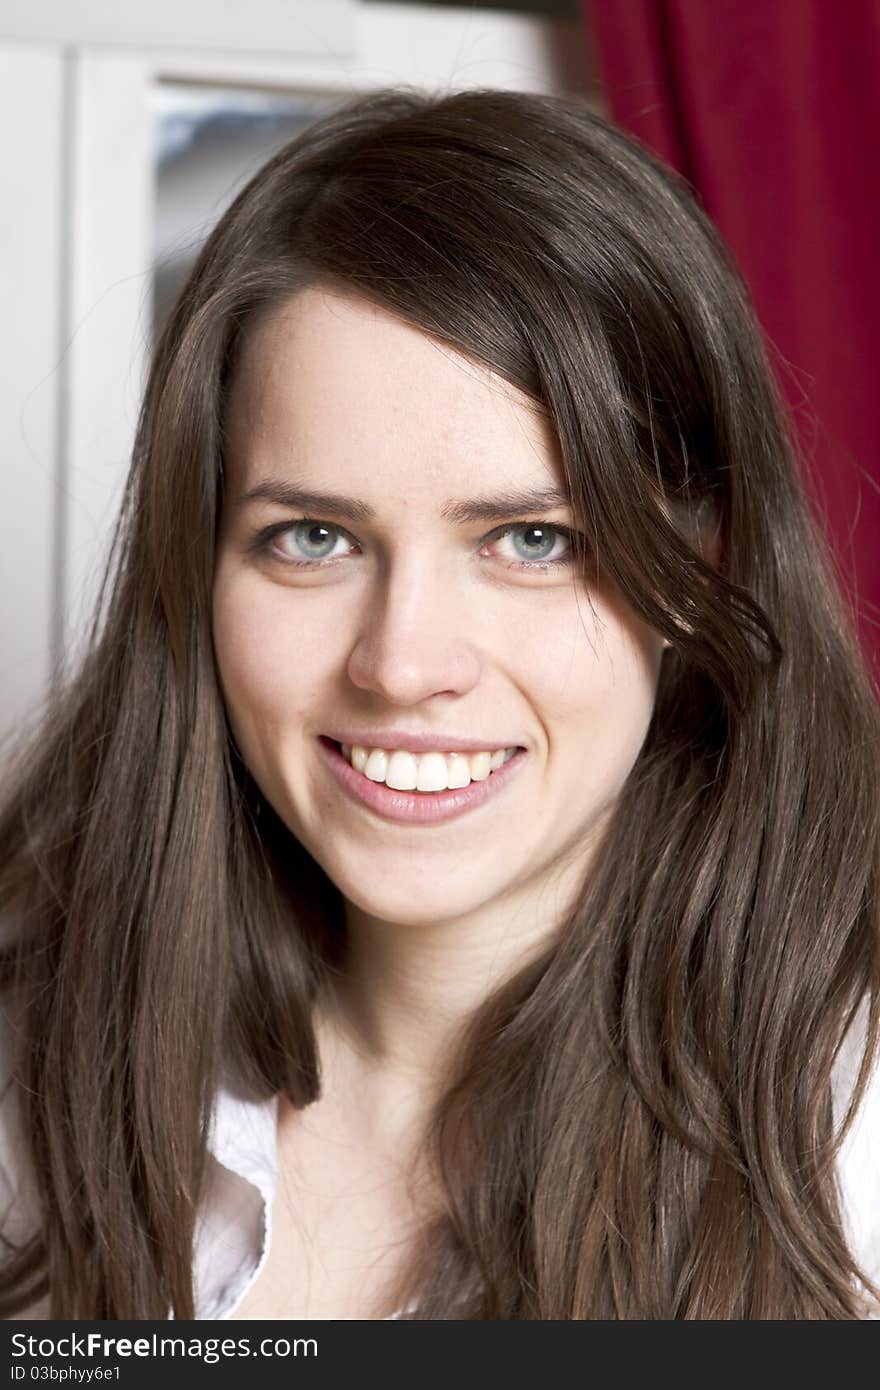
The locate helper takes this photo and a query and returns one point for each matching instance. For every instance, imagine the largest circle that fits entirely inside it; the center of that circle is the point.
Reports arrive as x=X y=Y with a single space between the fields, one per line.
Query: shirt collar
x=234 y=1225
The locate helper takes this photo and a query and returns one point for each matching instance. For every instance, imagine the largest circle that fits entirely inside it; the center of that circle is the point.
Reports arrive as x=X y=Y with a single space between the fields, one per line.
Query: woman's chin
x=410 y=911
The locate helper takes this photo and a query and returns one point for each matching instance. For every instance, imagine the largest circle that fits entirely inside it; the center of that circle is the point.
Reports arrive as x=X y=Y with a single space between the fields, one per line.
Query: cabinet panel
x=31 y=196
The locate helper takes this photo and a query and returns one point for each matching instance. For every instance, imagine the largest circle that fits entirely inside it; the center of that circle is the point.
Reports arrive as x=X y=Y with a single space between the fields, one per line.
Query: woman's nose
x=415 y=640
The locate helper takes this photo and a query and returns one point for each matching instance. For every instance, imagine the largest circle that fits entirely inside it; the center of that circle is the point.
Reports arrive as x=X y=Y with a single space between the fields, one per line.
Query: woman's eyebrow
x=459 y=511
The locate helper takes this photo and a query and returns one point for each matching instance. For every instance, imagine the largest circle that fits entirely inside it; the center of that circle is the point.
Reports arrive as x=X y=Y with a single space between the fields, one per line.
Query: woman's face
x=397 y=614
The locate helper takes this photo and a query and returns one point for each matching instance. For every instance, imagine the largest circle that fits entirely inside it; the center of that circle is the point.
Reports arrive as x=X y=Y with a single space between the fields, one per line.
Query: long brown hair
x=639 y=1124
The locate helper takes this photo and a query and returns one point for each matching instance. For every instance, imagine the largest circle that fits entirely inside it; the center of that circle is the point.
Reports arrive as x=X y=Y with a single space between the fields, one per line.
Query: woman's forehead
x=329 y=336
x=339 y=389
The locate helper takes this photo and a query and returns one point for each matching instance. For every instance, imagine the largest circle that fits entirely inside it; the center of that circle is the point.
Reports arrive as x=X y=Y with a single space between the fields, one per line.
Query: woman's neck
x=390 y=1021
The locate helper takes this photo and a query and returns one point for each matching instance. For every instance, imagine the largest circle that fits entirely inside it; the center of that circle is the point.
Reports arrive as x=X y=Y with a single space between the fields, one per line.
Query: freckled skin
x=419 y=623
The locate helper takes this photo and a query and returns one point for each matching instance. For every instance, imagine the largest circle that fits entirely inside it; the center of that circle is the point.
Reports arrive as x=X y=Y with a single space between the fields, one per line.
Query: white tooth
x=401 y=771
x=480 y=765
x=346 y=751
x=432 y=773
x=376 y=765
x=459 y=770
x=425 y=772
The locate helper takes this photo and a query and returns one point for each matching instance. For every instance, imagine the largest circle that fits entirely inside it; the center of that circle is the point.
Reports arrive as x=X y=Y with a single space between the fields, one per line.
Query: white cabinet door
x=31 y=248
x=109 y=295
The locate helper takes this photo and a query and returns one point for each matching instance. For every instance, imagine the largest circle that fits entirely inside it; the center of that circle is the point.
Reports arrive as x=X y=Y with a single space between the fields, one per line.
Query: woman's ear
x=709 y=538
x=699 y=523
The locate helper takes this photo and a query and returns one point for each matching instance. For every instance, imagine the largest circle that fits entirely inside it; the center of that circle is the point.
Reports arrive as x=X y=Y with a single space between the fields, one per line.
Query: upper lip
x=418 y=743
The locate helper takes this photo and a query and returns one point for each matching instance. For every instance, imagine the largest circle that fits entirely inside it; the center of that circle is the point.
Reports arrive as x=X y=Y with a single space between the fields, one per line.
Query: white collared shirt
x=234 y=1227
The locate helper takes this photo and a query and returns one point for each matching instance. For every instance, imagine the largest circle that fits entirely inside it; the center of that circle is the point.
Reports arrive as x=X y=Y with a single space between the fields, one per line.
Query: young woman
x=447 y=887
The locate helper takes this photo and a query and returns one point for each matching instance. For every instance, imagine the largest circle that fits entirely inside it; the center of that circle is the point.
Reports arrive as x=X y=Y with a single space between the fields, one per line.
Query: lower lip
x=416 y=808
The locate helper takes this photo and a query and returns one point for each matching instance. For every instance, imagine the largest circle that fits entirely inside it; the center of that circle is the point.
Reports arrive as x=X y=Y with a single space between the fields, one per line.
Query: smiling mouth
x=413 y=805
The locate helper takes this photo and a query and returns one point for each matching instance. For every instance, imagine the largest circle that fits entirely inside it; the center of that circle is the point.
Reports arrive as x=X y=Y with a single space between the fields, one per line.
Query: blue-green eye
x=311 y=543
x=315 y=540
x=538 y=544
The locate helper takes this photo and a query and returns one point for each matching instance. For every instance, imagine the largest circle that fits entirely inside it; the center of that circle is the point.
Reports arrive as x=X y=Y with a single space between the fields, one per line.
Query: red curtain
x=771 y=111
